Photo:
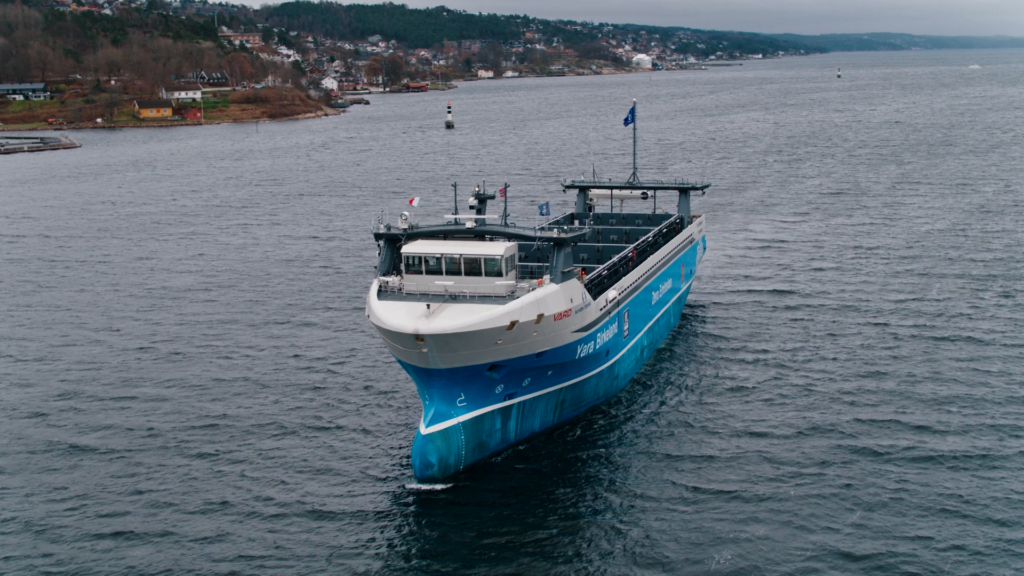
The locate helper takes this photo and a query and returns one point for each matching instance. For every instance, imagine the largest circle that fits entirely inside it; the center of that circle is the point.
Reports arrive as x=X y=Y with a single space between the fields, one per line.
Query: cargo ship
x=507 y=331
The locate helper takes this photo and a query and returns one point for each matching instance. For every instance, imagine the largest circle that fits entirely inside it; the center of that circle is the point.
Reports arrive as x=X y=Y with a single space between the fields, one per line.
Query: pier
x=15 y=144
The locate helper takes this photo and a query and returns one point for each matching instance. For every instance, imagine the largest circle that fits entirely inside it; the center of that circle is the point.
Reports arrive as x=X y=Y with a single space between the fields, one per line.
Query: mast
x=455 y=187
x=504 y=211
x=633 y=177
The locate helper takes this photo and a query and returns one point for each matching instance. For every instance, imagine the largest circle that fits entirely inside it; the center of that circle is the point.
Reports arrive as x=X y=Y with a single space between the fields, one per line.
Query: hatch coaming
x=639 y=276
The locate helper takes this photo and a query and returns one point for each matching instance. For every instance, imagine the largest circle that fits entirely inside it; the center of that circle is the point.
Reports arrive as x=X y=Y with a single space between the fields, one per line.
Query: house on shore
x=415 y=87
x=212 y=78
x=484 y=73
x=153 y=109
x=27 y=91
x=183 y=93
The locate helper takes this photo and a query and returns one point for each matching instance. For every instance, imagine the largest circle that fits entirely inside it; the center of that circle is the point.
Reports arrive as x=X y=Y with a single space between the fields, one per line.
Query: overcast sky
x=943 y=17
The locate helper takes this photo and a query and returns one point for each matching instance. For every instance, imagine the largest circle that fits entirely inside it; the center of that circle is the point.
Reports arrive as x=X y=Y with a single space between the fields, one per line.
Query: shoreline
x=324 y=112
x=36 y=127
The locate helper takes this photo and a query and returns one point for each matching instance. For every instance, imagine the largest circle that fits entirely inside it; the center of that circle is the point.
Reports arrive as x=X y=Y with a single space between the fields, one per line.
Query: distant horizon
x=804 y=17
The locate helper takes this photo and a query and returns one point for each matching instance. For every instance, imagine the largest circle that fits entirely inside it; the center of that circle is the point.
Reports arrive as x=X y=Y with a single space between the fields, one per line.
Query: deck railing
x=532 y=271
x=396 y=285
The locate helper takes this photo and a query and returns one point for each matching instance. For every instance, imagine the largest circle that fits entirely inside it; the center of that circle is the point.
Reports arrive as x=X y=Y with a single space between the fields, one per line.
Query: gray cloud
x=943 y=17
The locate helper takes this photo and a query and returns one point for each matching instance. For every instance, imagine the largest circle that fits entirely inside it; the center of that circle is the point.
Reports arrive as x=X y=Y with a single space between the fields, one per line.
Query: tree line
x=417 y=28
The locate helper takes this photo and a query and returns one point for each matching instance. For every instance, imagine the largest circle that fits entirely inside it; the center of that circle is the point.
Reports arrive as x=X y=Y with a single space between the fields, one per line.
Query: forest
x=139 y=47
x=427 y=27
x=877 y=41
x=414 y=28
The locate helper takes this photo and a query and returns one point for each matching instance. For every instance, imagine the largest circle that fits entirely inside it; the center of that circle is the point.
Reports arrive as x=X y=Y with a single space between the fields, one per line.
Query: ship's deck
x=605 y=247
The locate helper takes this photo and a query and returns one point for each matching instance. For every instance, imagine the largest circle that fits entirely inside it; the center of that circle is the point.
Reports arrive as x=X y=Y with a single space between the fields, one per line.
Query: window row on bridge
x=451 y=265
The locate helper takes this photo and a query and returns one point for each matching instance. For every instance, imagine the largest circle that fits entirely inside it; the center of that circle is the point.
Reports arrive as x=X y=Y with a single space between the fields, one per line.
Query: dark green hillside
x=413 y=27
x=427 y=27
x=876 y=41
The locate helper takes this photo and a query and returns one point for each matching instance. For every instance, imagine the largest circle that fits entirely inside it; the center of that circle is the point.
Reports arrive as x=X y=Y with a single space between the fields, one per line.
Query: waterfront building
x=153 y=109
x=183 y=93
x=642 y=61
x=29 y=91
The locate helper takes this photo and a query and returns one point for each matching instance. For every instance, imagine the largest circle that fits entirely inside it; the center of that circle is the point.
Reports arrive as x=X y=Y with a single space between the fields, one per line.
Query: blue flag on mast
x=544 y=209
x=631 y=117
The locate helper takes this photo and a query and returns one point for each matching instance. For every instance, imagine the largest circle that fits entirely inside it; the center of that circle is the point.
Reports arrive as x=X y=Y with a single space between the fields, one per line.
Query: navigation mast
x=633 y=178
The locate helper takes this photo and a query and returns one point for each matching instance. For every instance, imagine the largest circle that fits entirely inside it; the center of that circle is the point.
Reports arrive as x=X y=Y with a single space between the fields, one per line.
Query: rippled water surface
x=188 y=384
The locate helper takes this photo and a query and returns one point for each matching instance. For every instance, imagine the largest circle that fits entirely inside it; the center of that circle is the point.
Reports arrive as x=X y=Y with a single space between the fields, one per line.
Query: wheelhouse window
x=452 y=266
x=414 y=265
x=472 y=266
x=510 y=263
x=492 y=268
x=432 y=265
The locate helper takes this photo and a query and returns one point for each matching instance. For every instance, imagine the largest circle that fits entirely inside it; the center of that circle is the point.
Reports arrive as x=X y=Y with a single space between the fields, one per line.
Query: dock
x=15 y=144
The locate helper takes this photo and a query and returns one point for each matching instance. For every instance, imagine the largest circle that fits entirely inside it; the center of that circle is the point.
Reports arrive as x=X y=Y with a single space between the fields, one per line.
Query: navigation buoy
x=449 y=123
x=839 y=74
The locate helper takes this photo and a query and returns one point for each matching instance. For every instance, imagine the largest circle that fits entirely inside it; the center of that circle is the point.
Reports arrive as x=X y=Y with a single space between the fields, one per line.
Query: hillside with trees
x=98 y=56
x=426 y=27
x=95 y=64
x=150 y=48
x=880 y=41
x=414 y=28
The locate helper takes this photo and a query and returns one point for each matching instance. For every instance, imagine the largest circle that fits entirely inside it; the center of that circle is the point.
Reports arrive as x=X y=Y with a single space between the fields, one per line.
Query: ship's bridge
x=459 y=266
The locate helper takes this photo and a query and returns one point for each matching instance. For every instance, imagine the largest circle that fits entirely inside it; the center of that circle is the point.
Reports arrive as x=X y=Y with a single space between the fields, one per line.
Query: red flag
x=501 y=191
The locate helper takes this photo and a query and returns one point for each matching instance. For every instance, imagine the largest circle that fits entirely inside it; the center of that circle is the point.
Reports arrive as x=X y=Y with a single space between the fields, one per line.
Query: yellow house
x=150 y=109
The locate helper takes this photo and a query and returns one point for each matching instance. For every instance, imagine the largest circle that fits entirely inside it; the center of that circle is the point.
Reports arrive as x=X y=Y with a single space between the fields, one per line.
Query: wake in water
x=416 y=486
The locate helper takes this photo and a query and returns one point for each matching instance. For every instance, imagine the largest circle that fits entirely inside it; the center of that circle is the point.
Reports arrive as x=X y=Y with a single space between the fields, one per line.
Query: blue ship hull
x=472 y=412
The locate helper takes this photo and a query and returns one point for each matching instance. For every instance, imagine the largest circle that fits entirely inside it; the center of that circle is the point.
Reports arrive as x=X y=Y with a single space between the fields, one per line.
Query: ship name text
x=661 y=291
x=603 y=337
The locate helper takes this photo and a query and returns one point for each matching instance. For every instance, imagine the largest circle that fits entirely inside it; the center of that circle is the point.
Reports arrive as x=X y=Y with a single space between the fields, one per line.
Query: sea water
x=188 y=384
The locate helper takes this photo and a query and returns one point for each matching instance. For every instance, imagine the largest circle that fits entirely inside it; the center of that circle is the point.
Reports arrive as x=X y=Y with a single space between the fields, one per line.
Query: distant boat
x=974 y=67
